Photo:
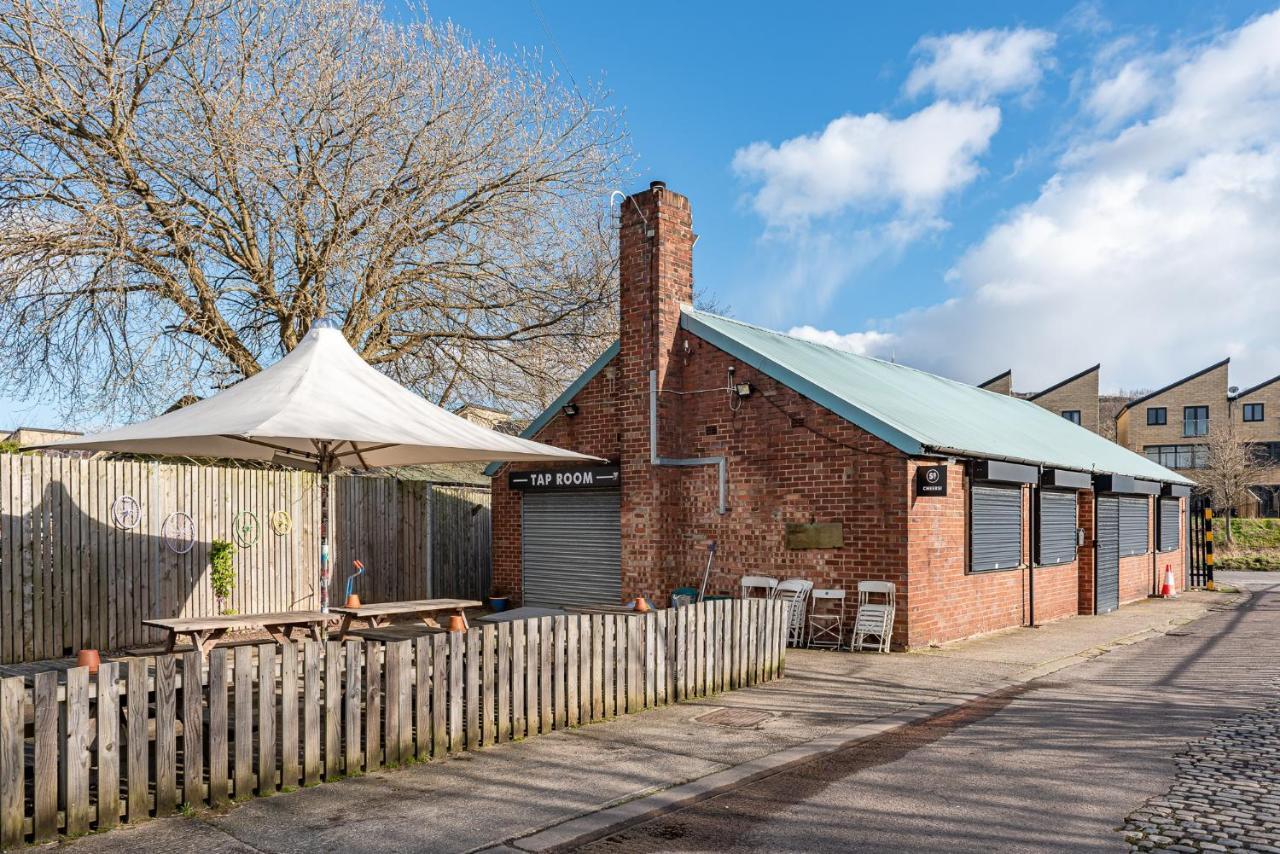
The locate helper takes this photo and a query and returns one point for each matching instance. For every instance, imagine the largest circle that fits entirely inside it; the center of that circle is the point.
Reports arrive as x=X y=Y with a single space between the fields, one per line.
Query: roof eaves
x=999 y=376
x=1173 y=385
x=1067 y=381
x=567 y=395
x=904 y=442
x=1253 y=388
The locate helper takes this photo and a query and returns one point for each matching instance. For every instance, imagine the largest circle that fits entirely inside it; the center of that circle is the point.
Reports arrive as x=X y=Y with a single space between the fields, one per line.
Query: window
x=995 y=527
x=1057 y=531
x=1253 y=412
x=1072 y=415
x=1195 y=420
x=1134 y=511
x=1268 y=452
x=1170 y=520
x=1157 y=416
x=1178 y=456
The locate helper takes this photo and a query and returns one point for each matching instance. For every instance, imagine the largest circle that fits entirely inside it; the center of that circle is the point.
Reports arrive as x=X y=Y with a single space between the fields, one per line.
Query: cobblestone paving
x=1226 y=796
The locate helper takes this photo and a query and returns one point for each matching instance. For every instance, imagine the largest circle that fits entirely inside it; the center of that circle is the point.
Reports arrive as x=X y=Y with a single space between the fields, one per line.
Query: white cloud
x=869 y=161
x=1123 y=95
x=1153 y=250
x=863 y=343
x=980 y=64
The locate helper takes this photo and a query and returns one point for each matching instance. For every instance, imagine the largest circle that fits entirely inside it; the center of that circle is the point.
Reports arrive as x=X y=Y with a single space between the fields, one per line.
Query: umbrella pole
x=326 y=527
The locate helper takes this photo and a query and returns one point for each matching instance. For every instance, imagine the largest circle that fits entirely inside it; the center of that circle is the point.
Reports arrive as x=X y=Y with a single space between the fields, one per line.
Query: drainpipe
x=656 y=460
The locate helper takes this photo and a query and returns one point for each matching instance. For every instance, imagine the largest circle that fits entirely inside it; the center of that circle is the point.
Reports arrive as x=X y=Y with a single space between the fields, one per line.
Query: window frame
x=1201 y=424
x=1072 y=415
x=970 y=568
x=1162 y=411
x=1258 y=408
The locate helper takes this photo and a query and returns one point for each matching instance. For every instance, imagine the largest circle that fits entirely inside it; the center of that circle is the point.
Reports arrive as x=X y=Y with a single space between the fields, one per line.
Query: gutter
x=654 y=459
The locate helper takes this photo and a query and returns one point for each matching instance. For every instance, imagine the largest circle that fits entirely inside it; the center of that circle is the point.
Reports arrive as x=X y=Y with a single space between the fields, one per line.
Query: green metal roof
x=919 y=412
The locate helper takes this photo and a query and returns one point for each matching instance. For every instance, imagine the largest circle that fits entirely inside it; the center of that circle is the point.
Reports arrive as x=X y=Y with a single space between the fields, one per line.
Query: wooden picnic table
x=205 y=631
x=378 y=615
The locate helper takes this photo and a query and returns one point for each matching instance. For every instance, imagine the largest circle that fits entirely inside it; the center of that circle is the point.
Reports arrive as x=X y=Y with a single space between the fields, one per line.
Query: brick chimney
x=655 y=251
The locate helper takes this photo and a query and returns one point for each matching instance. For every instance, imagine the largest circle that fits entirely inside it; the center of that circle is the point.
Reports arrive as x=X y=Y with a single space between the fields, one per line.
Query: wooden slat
x=682 y=653
x=290 y=770
x=404 y=702
x=373 y=705
x=47 y=714
x=662 y=634
x=12 y=696
x=560 y=626
x=76 y=755
x=439 y=696
x=422 y=697
x=518 y=673
x=609 y=638
x=532 y=680
x=597 y=667
x=489 y=686
x=569 y=673
x=311 y=730
x=166 y=744
x=244 y=771
x=583 y=651
x=267 y=712
x=650 y=629
x=137 y=774
x=472 y=687
x=635 y=663
x=333 y=709
x=620 y=663
x=351 y=719
x=393 y=686
x=219 y=791
x=504 y=683
x=192 y=729
x=546 y=663
x=457 y=740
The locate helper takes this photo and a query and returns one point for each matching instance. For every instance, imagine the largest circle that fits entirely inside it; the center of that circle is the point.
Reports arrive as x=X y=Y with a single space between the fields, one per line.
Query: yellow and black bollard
x=1208 y=548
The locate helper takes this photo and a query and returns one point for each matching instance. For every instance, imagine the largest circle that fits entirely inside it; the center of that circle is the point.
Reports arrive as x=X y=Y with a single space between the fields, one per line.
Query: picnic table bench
x=204 y=631
x=378 y=615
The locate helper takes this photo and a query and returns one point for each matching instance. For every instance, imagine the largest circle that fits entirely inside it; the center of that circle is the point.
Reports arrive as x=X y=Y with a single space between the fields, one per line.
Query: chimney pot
x=657 y=185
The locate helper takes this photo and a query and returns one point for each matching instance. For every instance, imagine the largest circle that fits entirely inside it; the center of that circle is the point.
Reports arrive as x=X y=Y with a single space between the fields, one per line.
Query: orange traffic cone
x=1166 y=589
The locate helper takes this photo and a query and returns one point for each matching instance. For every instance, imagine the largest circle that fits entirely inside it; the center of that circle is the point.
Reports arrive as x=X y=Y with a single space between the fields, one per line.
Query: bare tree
x=1231 y=466
x=186 y=185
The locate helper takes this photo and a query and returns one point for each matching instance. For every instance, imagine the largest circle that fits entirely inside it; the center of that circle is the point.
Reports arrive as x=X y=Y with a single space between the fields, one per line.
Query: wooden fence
x=72 y=577
x=81 y=753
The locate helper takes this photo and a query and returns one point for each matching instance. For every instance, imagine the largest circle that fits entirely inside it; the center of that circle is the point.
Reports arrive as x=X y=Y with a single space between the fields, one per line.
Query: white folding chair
x=877 y=605
x=761 y=583
x=795 y=592
x=826 y=627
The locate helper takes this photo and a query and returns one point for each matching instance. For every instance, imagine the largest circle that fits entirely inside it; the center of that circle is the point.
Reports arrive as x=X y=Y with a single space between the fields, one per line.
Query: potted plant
x=498 y=600
x=222 y=576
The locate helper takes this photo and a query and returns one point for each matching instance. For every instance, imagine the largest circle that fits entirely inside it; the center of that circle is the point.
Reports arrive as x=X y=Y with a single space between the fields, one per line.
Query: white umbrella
x=320 y=407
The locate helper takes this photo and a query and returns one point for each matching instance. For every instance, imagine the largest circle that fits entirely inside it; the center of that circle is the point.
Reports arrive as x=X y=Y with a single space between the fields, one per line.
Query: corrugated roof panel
x=914 y=410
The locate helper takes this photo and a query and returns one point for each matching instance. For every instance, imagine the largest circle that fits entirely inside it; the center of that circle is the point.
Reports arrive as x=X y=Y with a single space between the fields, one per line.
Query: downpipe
x=654 y=459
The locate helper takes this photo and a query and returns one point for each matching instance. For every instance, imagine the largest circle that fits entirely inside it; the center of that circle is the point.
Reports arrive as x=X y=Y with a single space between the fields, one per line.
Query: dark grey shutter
x=571 y=547
x=995 y=527
x=1107 y=569
x=1057 y=526
x=1133 y=524
x=1170 y=524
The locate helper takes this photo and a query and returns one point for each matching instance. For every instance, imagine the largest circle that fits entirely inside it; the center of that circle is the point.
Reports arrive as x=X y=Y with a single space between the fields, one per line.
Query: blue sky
x=962 y=187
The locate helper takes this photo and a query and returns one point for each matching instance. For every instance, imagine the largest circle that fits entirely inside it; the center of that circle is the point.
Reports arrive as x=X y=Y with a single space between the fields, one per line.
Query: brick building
x=798 y=460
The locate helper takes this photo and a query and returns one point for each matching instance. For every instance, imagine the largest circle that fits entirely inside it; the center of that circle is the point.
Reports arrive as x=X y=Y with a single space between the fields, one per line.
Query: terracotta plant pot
x=353 y=601
x=641 y=605
x=89 y=658
x=457 y=623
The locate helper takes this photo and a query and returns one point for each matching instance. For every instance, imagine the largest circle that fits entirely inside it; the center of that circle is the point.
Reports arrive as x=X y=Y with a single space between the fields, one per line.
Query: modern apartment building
x=1075 y=398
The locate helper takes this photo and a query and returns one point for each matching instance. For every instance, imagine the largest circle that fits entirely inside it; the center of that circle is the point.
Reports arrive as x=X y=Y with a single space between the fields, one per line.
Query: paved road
x=1053 y=765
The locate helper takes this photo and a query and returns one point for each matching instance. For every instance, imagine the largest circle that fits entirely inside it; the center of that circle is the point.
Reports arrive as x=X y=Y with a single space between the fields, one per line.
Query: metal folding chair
x=826 y=626
x=795 y=591
x=762 y=585
x=877 y=605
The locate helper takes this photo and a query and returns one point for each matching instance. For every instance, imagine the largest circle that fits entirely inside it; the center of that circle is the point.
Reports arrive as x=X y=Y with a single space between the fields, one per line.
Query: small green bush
x=222 y=575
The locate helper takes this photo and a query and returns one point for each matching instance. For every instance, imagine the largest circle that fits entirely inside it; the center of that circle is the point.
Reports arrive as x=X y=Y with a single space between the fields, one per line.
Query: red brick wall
x=1085 y=554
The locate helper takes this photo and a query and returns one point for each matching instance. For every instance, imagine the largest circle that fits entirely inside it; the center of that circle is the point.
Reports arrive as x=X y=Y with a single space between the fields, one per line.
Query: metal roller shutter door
x=571 y=547
x=1106 y=579
x=1170 y=522
x=1134 y=512
x=995 y=527
x=1057 y=526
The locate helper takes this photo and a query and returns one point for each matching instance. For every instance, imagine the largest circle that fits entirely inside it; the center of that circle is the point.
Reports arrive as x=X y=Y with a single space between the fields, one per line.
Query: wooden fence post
x=47 y=714
x=166 y=744
x=12 y=697
x=289 y=769
x=192 y=729
x=243 y=679
x=218 y=724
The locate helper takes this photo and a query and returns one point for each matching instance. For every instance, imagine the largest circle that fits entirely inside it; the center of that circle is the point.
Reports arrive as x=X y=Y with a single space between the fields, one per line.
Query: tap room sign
x=931 y=480
x=552 y=480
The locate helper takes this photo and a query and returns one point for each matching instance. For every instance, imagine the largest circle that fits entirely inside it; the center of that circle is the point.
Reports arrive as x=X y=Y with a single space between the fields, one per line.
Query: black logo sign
x=931 y=480
x=589 y=477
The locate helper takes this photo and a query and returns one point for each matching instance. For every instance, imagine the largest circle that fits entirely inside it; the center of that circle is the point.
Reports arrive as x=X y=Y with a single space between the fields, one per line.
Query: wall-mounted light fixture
x=742 y=389
x=569 y=409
